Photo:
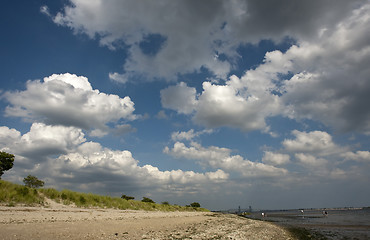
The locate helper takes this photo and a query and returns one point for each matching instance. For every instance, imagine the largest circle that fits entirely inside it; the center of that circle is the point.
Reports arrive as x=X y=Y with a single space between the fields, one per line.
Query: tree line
x=148 y=200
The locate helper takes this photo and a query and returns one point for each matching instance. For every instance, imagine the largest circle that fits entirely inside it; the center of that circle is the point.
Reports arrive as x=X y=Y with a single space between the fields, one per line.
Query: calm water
x=337 y=224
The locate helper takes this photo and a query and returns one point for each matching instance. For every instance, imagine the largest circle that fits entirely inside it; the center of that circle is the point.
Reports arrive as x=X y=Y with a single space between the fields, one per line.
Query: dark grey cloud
x=297 y=19
x=324 y=78
x=196 y=32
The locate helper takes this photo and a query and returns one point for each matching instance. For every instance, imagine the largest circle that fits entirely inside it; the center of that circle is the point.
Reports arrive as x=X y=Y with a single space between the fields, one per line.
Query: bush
x=82 y=200
x=147 y=200
x=165 y=203
x=127 y=197
x=63 y=196
x=22 y=191
x=195 y=205
x=33 y=182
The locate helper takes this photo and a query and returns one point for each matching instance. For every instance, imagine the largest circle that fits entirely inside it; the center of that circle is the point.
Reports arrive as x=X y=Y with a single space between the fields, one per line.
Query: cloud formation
x=323 y=79
x=189 y=135
x=69 y=100
x=121 y=163
x=194 y=34
x=317 y=142
x=320 y=156
x=217 y=157
x=330 y=81
x=314 y=156
x=59 y=153
x=180 y=98
x=240 y=103
x=42 y=140
x=331 y=46
x=63 y=158
x=275 y=159
x=361 y=156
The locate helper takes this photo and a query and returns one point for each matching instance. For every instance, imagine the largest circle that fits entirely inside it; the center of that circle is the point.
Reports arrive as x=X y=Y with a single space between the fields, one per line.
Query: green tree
x=127 y=197
x=148 y=200
x=195 y=205
x=6 y=162
x=33 y=182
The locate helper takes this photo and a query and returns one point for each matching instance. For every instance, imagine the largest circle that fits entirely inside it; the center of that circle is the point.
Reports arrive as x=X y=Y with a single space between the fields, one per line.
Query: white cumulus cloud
x=62 y=157
x=275 y=159
x=217 y=157
x=318 y=142
x=361 y=156
x=41 y=141
x=189 y=135
x=69 y=100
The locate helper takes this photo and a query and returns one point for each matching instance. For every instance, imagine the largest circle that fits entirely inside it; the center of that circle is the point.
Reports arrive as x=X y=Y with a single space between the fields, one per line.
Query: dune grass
x=12 y=194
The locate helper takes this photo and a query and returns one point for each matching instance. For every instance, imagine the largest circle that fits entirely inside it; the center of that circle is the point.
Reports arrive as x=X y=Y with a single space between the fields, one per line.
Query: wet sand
x=339 y=231
x=339 y=224
x=65 y=222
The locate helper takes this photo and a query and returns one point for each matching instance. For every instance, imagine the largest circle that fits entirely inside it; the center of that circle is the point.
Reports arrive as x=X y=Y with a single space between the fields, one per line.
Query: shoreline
x=334 y=231
x=323 y=231
x=61 y=222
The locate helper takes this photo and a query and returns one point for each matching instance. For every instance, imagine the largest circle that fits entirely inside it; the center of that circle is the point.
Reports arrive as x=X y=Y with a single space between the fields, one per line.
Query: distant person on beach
x=325 y=213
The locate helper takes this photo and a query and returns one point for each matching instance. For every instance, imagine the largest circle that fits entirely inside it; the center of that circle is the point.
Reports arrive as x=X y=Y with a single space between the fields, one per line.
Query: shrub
x=195 y=205
x=22 y=191
x=148 y=200
x=82 y=200
x=33 y=182
x=127 y=197
x=63 y=196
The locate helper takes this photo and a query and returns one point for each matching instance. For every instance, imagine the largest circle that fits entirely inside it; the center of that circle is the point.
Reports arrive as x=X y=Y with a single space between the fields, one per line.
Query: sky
x=225 y=103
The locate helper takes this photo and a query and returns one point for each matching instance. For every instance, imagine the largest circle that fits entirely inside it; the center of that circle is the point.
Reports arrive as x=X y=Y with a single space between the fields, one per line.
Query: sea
x=347 y=223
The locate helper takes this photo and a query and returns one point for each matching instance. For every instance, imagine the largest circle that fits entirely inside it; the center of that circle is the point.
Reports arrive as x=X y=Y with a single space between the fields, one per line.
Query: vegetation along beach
x=28 y=213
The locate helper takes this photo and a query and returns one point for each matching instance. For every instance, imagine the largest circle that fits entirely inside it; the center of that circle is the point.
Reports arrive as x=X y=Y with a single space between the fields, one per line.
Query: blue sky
x=227 y=103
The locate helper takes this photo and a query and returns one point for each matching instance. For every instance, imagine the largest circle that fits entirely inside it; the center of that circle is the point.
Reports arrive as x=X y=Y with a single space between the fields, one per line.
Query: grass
x=12 y=194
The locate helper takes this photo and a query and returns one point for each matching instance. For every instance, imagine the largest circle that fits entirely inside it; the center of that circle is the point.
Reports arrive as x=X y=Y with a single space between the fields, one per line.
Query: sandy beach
x=57 y=221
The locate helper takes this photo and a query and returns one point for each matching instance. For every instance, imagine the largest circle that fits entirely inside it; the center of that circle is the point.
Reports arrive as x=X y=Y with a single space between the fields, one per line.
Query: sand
x=57 y=221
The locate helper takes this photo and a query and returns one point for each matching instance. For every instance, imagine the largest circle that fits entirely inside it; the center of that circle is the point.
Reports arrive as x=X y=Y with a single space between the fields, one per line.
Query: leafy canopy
x=127 y=197
x=195 y=205
x=148 y=200
x=6 y=162
x=33 y=182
